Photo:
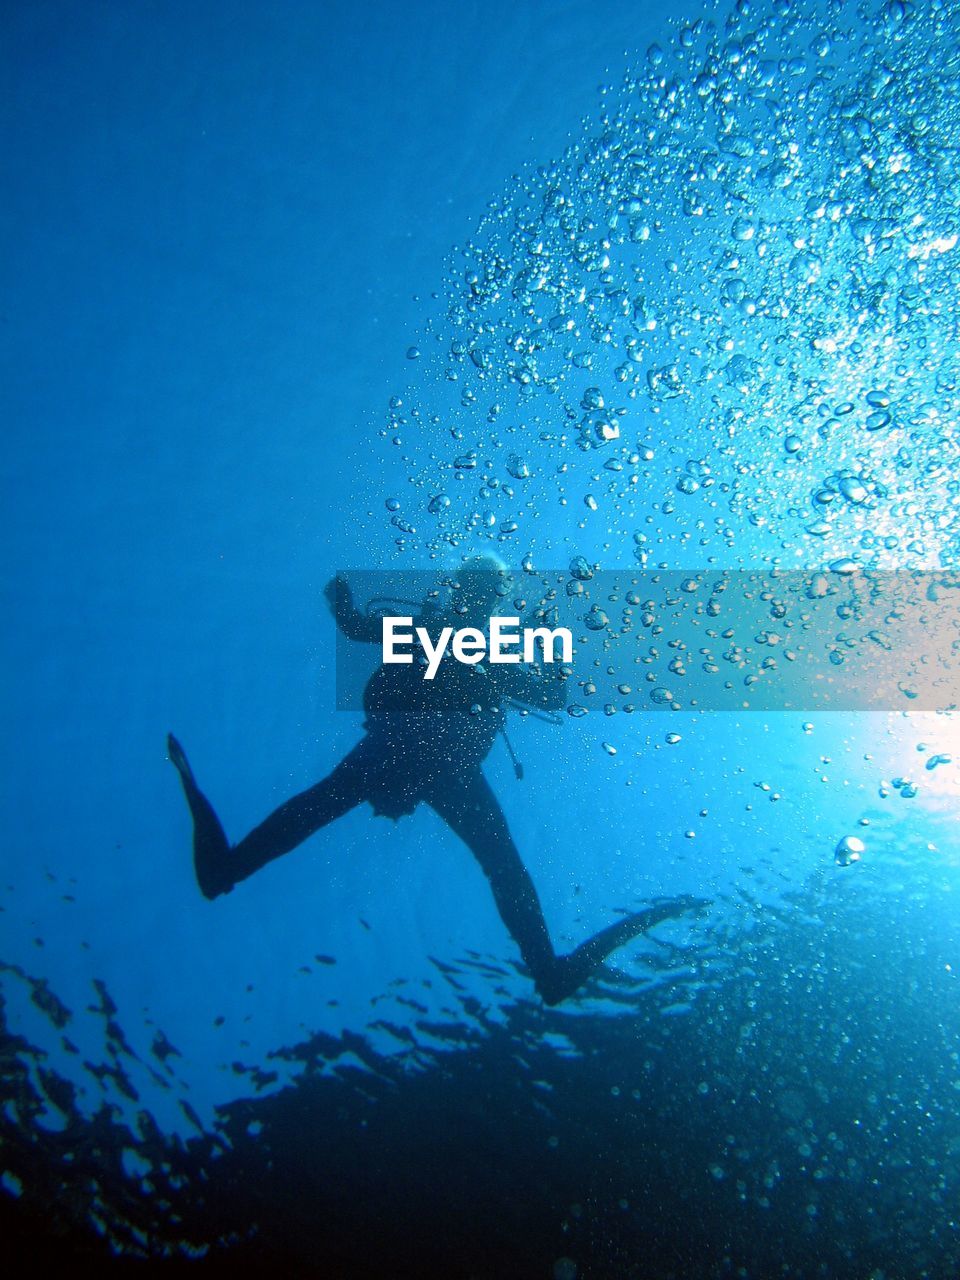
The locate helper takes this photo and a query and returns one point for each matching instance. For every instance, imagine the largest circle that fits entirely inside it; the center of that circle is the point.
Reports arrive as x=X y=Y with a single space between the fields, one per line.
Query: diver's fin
x=178 y=758
x=211 y=849
x=570 y=972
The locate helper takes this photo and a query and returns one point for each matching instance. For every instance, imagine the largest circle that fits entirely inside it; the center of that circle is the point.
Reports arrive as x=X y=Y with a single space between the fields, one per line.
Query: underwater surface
x=659 y=309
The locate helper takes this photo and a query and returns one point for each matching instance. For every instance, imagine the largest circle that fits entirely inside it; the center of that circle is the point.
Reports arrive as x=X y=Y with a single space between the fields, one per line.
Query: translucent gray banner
x=734 y=640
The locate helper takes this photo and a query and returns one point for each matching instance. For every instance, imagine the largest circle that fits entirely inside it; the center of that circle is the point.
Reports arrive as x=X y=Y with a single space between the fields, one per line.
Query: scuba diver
x=425 y=742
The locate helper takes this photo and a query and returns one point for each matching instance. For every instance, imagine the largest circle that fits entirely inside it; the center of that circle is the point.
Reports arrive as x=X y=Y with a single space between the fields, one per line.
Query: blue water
x=272 y=273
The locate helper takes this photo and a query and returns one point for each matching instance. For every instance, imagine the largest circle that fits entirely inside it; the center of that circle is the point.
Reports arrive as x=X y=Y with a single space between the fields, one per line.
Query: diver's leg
x=303 y=814
x=219 y=868
x=468 y=806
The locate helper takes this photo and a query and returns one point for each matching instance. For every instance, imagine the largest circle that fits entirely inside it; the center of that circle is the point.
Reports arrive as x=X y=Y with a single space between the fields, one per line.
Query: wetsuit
x=424 y=742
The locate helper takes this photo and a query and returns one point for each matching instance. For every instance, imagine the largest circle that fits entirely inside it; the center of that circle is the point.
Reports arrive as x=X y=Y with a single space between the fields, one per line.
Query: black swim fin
x=211 y=849
x=570 y=972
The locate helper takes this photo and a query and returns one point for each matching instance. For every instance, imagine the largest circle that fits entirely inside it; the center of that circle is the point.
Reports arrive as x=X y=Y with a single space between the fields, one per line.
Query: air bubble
x=850 y=849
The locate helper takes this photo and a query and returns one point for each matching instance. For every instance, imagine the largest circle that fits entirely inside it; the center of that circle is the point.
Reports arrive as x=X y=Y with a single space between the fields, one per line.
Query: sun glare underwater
x=694 y=383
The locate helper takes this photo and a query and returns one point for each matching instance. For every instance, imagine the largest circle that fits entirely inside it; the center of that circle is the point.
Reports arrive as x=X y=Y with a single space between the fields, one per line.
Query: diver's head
x=478 y=587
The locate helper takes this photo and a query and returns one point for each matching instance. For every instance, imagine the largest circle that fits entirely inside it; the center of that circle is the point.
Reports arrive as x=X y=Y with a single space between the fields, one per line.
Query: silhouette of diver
x=425 y=741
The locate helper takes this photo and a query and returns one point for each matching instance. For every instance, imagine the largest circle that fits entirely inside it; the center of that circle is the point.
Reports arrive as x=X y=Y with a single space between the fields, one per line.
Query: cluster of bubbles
x=718 y=332
x=721 y=328
x=777 y=640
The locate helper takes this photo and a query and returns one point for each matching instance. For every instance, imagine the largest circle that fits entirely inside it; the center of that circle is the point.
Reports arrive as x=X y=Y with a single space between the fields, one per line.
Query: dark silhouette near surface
x=425 y=742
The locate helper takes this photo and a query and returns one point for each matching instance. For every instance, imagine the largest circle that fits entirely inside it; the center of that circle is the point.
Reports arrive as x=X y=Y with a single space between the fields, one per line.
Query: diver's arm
x=354 y=624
